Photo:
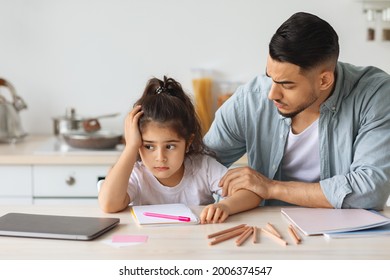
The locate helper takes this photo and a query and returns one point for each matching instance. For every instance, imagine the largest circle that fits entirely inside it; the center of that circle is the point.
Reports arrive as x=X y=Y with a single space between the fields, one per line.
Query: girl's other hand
x=214 y=213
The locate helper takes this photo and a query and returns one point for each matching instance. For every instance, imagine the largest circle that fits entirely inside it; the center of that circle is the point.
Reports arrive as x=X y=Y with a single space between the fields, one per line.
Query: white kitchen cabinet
x=67 y=181
x=16 y=184
x=50 y=184
x=38 y=170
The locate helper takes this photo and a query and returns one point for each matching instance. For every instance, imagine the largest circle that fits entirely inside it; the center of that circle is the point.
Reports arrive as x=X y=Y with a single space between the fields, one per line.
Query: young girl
x=165 y=160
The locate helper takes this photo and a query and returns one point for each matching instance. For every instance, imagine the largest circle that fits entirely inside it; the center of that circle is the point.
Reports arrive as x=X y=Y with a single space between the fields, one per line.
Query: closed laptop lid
x=54 y=226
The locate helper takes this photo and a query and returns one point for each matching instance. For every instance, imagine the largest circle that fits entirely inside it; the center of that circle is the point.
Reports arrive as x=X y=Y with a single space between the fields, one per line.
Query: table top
x=187 y=242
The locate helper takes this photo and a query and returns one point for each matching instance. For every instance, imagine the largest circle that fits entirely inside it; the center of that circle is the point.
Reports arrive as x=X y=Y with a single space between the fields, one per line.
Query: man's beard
x=292 y=114
x=300 y=109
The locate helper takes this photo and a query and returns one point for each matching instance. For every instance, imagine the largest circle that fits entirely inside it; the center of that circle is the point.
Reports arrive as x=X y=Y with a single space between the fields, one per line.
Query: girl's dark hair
x=304 y=40
x=165 y=102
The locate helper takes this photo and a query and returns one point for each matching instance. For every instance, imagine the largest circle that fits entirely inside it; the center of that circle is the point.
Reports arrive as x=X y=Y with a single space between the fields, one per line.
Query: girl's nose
x=160 y=155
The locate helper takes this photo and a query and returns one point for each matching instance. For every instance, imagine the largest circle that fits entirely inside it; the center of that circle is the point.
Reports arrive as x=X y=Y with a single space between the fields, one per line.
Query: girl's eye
x=148 y=147
x=170 y=147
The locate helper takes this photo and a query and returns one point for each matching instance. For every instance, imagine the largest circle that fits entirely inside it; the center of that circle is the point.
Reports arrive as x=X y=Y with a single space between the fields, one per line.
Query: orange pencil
x=244 y=236
x=228 y=235
x=273 y=230
x=274 y=237
x=294 y=234
x=254 y=236
x=225 y=231
x=232 y=233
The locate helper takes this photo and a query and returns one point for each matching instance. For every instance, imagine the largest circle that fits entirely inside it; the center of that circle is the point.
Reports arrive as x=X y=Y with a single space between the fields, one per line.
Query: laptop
x=55 y=227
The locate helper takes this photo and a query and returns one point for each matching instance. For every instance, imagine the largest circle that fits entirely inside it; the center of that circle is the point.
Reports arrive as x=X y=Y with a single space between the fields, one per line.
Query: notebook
x=175 y=209
x=55 y=227
x=371 y=232
x=314 y=221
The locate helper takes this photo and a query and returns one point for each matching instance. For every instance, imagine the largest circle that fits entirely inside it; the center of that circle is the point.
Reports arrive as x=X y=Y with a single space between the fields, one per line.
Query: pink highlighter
x=165 y=216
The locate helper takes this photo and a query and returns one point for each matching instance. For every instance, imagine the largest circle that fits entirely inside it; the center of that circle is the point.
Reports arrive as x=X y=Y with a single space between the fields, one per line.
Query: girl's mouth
x=161 y=168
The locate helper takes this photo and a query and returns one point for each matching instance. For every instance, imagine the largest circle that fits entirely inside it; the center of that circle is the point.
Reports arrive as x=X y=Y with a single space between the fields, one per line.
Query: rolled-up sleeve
x=359 y=160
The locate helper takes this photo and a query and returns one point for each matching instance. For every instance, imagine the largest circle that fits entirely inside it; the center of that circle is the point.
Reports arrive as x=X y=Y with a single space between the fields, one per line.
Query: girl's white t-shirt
x=202 y=174
x=301 y=161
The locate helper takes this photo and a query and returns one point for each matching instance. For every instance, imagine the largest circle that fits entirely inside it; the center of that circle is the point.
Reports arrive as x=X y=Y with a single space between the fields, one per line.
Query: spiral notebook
x=175 y=210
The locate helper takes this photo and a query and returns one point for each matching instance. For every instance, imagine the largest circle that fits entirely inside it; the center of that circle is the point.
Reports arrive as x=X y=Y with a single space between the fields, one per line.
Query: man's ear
x=326 y=80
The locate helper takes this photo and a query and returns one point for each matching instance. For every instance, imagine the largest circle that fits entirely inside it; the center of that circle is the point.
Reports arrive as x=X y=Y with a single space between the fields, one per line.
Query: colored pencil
x=276 y=239
x=225 y=231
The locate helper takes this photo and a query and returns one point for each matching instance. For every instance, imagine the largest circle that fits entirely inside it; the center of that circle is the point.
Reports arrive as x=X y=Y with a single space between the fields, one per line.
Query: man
x=316 y=131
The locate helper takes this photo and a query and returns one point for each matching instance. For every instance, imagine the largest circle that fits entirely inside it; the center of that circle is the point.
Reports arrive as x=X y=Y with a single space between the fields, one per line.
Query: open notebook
x=160 y=214
x=55 y=227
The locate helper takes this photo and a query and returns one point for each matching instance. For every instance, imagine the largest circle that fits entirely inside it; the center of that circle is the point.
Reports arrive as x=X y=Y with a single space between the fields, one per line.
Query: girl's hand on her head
x=214 y=213
x=132 y=134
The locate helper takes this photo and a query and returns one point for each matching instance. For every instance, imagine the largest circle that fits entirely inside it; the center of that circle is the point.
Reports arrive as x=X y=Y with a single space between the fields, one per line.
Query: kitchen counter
x=47 y=149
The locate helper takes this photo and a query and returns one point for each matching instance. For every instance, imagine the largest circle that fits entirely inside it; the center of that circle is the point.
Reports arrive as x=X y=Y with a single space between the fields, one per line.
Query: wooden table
x=187 y=242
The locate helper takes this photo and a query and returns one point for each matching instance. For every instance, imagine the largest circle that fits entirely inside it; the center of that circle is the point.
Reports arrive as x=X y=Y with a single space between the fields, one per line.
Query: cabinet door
x=16 y=181
x=67 y=181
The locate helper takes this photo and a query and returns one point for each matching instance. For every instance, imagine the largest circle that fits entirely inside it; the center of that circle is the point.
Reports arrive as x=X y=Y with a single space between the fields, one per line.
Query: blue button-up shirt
x=354 y=136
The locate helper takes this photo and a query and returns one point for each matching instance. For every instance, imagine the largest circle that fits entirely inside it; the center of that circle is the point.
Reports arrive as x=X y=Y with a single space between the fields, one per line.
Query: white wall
x=96 y=55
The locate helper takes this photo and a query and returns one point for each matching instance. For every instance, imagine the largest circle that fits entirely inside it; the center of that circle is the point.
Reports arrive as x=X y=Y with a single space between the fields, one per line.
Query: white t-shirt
x=202 y=174
x=301 y=161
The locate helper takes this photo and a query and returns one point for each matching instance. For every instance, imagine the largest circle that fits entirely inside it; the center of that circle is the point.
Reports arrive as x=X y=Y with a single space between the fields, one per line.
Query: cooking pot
x=98 y=140
x=71 y=122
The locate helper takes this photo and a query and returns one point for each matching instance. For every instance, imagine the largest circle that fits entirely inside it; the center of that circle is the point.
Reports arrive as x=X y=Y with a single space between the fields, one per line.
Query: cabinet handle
x=70 y=181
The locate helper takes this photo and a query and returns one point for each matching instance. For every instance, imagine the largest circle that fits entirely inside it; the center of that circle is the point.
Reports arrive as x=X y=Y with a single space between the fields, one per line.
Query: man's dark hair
x=304 y=40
